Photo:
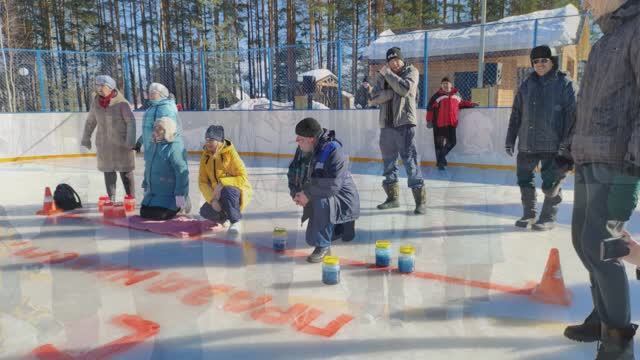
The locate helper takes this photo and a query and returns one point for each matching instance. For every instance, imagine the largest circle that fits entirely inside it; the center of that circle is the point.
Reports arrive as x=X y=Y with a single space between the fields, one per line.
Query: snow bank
x=263 y=104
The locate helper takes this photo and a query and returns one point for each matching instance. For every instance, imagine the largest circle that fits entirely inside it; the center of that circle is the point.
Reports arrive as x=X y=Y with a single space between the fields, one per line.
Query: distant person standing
x=442 y=117
x=111 y=113
x=363 y=94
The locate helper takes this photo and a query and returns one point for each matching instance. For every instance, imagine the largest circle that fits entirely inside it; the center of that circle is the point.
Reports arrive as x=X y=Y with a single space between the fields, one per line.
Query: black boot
x=393 y=193
x=588 y=331
x=318 y=254
x=548 y=215
x=338 y=231
x=528 y=197
x=616 y=344
x=349 y=231
x=420 y=196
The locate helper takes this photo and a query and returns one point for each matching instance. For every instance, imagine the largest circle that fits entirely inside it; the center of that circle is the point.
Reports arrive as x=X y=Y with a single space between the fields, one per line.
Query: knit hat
x=544 y=52
x=308 y=127
x=106 y=80
x=215 y=132
x=366 y=79
x=394 y=53
x=160 y=89
x=169 y=126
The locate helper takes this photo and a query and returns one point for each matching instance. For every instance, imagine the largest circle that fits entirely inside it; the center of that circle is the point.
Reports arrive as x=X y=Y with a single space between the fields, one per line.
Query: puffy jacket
x=166 y=174
x=159 y=108
x=327 y=176
x=543 y=113
x=444 y=108
x=607 y=127
x=227 y=168
x=396 y=95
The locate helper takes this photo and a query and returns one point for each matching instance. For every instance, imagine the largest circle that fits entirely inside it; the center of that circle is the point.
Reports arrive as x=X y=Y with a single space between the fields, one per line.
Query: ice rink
x=74 y=287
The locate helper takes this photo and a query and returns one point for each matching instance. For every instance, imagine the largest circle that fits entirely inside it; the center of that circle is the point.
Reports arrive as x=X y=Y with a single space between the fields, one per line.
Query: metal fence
x=291 y=77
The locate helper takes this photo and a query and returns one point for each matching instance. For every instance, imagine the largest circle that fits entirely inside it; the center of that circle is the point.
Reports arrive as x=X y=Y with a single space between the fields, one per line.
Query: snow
x=556 y=27
x=241 y=95
x=319 y=74
x=263 y=104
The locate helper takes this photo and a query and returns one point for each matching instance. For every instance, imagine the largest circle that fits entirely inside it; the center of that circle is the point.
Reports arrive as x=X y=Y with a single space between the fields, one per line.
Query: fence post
x=425 y=65
x=270 y=79
x=339 y=60
x=203 y=76
x=535 y=33
x=40 y=70
x=127 y=85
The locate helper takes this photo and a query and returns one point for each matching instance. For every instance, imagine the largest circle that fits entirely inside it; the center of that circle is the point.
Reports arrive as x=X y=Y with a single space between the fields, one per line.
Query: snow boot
x=393 y=193
x=528 y=197
x=547 y=220
x=420 y=196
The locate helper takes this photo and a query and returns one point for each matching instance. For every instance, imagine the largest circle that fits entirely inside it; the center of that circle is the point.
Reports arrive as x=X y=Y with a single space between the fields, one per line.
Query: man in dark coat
x=320 y=182
x=605 y=146
x=363 y=94
x=541 y=119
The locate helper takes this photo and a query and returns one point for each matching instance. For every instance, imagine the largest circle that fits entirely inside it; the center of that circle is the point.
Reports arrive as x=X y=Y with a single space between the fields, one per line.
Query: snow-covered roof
x=263 y=104
x=557 y=27
x=319 y=74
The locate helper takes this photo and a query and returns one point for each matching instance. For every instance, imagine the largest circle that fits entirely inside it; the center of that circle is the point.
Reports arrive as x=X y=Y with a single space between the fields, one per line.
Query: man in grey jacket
x=542 y=115
x=395 y=92
x=605 y=145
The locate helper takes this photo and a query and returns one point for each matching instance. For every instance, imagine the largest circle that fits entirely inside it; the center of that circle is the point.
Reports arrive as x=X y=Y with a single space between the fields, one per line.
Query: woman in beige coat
x=116 y=135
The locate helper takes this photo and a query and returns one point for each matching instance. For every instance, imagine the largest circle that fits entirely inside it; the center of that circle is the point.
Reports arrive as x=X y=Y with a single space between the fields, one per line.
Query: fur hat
x=169 y=126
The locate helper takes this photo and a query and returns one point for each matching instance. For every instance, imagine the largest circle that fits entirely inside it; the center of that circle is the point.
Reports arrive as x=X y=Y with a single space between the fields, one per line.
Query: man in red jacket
x=442 y=116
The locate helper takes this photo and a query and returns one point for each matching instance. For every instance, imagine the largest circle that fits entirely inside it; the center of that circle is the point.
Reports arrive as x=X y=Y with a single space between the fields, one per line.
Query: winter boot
x=528 y=197
x=547 y=220
x=318 y=254
x=393 y=193
x=420 y=196
x=588 y=331
x=616 y=344
x=349 y=231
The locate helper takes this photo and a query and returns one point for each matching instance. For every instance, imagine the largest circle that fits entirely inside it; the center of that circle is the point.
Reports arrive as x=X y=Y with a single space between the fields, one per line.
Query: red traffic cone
x=48 y=206
x=551 y=289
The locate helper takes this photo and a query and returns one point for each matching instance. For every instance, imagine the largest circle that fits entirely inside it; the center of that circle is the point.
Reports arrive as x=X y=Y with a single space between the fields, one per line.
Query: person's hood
x=609 y=22
x=228 y=146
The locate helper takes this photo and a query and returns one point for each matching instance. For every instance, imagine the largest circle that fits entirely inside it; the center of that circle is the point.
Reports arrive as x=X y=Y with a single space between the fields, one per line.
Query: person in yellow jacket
x=223 y=180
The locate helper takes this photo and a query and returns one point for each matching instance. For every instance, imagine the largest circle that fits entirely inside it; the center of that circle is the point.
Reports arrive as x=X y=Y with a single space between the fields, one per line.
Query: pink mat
x=181 y=226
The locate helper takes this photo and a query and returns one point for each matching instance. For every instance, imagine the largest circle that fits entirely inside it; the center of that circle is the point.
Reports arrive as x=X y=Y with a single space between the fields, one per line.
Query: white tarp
x=557 y=27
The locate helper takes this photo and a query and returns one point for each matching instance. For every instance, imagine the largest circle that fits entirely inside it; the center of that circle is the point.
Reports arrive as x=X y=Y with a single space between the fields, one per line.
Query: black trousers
x=157 y=213
x=444 y=139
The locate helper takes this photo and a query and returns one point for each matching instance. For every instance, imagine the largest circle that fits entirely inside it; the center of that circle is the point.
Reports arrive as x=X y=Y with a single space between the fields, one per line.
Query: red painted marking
x=61 y=258
x=134 y=276
x=32 y=253
x=273 y=315
x=203 y=295
x=172 y=283
x=143 y=329
x=303 y=323
x=83 y=263
x=104 y=271
x=20 y=243
x=242 y=301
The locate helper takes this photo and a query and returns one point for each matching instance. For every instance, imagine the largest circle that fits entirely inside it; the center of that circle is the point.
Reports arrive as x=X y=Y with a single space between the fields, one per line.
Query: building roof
x=556 y=28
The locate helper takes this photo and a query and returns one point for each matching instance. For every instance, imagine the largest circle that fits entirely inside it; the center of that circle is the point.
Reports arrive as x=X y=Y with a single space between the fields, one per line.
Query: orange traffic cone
x=551 y=289
x=48 y=206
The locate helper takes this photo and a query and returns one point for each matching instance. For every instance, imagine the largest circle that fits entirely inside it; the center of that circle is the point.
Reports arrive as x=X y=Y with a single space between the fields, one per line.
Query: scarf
x=105 y=101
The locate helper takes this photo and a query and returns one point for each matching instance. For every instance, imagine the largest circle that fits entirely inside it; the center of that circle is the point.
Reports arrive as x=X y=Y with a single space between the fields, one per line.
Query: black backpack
x=66 y=198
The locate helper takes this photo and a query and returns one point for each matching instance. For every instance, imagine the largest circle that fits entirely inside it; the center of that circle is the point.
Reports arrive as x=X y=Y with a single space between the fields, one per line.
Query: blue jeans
x=230 y=203
x=401 y=142
x=319 y=229
x=609 y=283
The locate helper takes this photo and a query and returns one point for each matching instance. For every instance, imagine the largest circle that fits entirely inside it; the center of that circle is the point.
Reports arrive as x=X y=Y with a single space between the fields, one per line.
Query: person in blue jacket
x=161 y=104
x=321 y=183
x=166 y=174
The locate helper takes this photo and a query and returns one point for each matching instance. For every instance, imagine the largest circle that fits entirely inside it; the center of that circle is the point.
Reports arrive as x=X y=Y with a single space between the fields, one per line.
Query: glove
x=429 y=125
x=509 y=149
x=137 y=147
x=475 y=104
x=631 y=169
x=180 y=202
x=86 y=144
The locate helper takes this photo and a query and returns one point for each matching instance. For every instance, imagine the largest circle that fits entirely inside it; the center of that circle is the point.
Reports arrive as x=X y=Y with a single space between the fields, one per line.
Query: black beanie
x=445 y=79
x=541 y=52
x=394 y=53
x=308 y=127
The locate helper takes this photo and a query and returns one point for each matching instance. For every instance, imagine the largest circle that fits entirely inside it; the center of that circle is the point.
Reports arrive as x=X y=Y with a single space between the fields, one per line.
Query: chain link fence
x=305 y=76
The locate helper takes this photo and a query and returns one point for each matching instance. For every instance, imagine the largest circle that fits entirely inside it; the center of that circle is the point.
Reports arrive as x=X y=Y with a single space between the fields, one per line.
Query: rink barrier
x=270 y=155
